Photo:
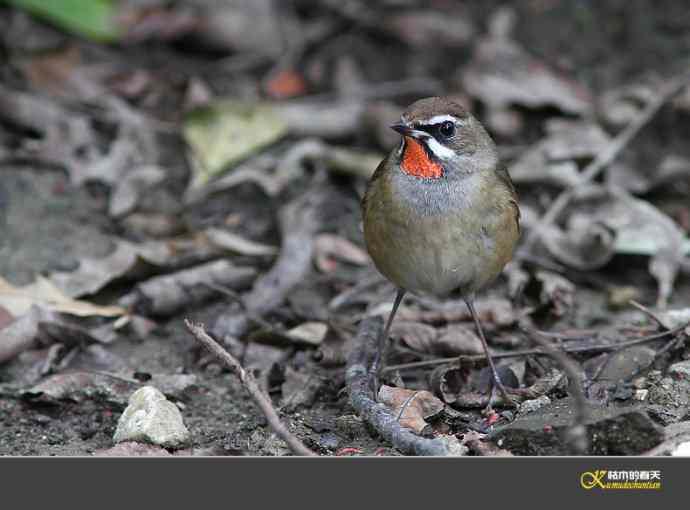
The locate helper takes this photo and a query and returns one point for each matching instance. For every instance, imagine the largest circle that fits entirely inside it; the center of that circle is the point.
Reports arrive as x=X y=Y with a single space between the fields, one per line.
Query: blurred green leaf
x=225 y=132
x=94 y=19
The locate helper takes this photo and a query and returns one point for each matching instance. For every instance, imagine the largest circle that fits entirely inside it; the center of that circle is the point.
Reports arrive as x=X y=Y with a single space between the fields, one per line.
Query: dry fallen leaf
x=114 y=389
x=638 y=179
x=553 y=160
x=623 y=105
x=136 y=260
x=238 y=244
x=416 y=335
x=458 y=339
x=452 y=340
x=502 y=73
x=19 y=300
x=411 y=407
x=225 y=132
x=311 y=333
x=430 y=29
x=329 y=248
x=95 y=273
x=604 y=221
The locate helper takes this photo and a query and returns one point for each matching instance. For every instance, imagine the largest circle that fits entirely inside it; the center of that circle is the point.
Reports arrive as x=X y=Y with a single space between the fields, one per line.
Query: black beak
x=403 y=129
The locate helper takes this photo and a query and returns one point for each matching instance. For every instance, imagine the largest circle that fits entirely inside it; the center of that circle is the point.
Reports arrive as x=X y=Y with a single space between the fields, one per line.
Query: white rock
x=151 y=418
x=529 y=406
x=641 y=395
x=682 y=450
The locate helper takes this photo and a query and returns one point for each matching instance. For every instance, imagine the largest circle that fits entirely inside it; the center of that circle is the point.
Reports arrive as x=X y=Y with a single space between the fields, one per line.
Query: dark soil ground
x=52 y=224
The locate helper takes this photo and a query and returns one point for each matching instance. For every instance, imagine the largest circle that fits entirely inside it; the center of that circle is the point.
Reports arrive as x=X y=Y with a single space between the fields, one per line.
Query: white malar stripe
x=439 y=150
x=438 y=119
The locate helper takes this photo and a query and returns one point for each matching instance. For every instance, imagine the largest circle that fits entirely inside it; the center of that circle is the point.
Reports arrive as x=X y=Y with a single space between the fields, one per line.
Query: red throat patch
x=416 y=161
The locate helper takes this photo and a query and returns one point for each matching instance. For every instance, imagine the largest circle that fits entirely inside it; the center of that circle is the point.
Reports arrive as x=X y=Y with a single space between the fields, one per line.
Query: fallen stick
x=359 y=387
x=604 y=159
x=250 y=384
x=540 y=351
x=649 y=313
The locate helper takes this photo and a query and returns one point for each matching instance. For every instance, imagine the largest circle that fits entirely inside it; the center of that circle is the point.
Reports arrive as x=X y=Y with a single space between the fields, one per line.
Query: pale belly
x=428 y=256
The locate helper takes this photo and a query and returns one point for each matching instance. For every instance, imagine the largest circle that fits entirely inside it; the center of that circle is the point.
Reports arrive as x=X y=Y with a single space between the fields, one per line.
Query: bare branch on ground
x=380 y=417
x=250 y=384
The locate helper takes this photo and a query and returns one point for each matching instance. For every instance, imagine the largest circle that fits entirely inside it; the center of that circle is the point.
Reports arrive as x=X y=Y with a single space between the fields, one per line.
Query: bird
x=440 y=213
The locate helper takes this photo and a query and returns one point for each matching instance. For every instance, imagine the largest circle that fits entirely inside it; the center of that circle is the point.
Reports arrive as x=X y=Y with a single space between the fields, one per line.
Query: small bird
x=440 y=213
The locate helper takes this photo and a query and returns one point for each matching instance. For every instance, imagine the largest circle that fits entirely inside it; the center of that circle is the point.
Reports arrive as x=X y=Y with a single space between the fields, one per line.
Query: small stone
x=626 y=363
x=675 y=318
x=641 y=395
x=682 y=450
x=680 y=370
x=610 y=431
x=328 y=441
x=151 y=418
x=529 y=406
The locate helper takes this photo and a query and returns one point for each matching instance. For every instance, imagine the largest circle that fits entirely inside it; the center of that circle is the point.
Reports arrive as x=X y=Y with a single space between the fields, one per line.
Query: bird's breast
x=436 y=237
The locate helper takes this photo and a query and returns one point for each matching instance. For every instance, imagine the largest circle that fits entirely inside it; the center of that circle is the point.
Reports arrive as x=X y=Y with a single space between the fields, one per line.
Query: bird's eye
x=447 y=129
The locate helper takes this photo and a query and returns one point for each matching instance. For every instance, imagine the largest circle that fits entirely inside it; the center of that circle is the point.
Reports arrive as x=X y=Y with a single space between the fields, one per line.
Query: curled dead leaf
x=411 y=407
x=447 y=381
x=607 y=221
x=329 y=248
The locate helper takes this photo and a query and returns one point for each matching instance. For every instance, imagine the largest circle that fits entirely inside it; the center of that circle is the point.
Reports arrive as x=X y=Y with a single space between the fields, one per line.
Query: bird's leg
x=496 y=379
x=382 y=350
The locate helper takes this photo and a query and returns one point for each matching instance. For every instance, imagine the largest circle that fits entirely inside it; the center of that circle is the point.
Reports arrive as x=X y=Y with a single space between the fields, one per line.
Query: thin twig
x=539 y=351
x=649 y=314
x=604 y=159
x=250 y=384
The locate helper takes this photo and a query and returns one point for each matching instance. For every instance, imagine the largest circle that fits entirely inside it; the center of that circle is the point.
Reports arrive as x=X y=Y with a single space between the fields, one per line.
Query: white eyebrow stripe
x=439 y=150
x=437 y=119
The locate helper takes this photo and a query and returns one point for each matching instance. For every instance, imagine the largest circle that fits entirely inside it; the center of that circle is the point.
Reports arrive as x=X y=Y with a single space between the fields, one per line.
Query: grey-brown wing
x=380 y=170
x=504 y=176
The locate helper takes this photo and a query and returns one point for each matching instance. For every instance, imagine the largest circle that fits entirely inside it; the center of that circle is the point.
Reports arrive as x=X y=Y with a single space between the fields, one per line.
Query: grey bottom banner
x=353 y=481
